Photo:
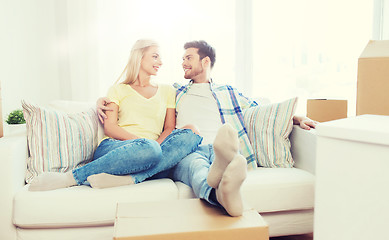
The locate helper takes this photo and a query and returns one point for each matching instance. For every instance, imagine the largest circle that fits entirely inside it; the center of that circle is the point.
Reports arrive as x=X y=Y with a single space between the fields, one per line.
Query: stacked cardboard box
x=373 y=79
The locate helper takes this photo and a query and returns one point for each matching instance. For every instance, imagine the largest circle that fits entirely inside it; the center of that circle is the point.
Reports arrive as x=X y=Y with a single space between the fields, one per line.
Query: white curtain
x=95 y=38
x=75 y=49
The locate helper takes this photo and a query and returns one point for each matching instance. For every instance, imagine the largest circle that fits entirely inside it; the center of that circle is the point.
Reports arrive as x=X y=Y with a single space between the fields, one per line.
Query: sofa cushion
x=279 y=189
x=268 y=127
x=184 y=191
x=84 y=206
x=58 y=142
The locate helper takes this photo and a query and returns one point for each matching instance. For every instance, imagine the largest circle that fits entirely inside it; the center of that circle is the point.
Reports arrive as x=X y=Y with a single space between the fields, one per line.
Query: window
x=309 y=48
x=171 y=23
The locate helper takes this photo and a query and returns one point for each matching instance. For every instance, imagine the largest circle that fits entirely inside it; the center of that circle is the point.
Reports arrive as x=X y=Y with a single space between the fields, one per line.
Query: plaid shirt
x=231 y=105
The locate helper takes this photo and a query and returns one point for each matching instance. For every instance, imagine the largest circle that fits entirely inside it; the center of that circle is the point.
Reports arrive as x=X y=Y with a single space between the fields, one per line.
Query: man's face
x=192 y=64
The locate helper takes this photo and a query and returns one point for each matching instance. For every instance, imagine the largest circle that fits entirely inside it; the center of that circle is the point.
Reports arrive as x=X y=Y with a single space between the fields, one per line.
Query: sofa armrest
x=13 y=155
x=303 y=148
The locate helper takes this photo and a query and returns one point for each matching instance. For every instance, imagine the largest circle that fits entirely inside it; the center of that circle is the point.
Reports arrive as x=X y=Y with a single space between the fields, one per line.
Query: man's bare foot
x=226 y=146
x=228 y=191
x=52 y=180
x=105 y=180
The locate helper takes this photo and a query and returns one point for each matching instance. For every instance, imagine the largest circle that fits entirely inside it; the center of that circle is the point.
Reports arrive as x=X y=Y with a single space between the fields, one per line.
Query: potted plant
x=15 y=121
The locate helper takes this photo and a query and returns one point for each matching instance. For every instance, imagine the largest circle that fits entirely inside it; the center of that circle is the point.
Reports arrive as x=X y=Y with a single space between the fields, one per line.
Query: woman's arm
x=170 y=124
x=111 y=127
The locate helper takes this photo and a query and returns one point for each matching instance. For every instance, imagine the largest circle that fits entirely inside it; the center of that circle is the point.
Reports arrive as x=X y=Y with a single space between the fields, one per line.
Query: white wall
x=28 y=59
x=385 y=20
x=71 y=49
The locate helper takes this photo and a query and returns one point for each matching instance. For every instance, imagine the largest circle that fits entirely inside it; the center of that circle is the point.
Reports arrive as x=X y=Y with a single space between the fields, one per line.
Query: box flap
x=364 y=128
x=165 y=209
x=184 y=220
x=376 y=48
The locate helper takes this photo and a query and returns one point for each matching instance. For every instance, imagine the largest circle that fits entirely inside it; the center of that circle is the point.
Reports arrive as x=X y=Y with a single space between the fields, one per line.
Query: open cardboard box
x=324 y=110
x=185 y=219
x=373 y=79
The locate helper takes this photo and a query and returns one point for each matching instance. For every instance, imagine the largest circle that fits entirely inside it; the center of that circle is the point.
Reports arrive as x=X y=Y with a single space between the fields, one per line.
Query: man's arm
x=244 y=101
x=304 y=122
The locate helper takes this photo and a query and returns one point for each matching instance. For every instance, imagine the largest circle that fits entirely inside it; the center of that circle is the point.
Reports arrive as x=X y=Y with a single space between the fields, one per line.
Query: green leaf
x=15 y=117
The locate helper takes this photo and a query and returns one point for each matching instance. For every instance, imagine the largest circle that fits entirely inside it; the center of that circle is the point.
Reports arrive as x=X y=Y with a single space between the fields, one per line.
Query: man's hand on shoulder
x=101 y=107
x=304 y=122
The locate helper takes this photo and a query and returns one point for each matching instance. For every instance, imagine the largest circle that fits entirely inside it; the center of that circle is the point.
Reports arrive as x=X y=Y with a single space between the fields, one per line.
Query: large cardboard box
x=324 y=110
x=373 y=79
x=185 y=219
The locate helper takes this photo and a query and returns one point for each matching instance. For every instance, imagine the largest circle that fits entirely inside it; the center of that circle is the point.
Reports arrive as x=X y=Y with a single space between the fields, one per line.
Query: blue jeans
x=193 y=171
x=140 y=158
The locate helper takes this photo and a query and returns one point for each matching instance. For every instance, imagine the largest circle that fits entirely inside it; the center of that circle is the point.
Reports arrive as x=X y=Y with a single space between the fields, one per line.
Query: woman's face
x=151 y=61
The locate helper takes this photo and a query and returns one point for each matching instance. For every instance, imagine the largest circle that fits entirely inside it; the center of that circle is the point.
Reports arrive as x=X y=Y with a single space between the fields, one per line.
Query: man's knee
x=192 y=127
x=198 y=164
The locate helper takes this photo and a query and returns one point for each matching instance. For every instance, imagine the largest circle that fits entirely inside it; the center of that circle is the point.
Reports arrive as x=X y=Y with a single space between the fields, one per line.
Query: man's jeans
x=140 y=158
x=193 y=171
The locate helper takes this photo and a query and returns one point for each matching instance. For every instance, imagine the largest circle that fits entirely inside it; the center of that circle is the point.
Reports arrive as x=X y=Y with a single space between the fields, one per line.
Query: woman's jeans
x=140 y=158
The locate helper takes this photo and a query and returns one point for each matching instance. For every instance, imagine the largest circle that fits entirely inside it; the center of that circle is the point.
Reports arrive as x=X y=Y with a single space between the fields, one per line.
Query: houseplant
x=15 y=117
x=16 y=122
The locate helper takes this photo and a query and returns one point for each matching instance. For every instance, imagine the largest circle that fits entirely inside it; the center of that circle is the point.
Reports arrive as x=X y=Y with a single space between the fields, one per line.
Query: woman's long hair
x=137 y=52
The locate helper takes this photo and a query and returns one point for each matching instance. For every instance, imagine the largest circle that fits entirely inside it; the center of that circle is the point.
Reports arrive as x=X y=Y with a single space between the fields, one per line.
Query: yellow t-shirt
x=144 y=117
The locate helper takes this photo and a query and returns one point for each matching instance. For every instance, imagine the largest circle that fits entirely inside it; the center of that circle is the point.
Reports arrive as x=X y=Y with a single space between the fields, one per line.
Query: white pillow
x=58 y=141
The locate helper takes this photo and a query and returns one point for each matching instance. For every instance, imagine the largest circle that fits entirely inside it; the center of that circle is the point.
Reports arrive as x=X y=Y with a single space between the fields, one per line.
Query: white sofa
x=284 y=197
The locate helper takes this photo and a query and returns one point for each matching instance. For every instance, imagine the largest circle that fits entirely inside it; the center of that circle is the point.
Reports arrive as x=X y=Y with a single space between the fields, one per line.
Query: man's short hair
x=204 y=50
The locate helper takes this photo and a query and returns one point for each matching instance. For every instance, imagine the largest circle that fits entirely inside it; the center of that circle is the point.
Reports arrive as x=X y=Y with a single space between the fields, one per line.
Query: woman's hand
x=101 y=107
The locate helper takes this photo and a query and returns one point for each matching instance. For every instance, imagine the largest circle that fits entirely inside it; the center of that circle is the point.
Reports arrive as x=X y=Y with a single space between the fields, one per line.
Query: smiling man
x=215 y=171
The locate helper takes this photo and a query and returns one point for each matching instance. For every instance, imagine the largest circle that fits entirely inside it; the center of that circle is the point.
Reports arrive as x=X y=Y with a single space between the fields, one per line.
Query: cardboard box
x=373 y=79
x=185 y=219
x=324 y=110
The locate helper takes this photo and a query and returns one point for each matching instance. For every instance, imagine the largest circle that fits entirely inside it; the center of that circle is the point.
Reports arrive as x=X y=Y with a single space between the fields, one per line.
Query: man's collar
x=192 y=81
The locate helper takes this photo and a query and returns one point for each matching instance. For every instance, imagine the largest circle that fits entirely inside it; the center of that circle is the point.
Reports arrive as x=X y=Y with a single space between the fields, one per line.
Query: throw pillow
x=268 y=127
x=58 y=142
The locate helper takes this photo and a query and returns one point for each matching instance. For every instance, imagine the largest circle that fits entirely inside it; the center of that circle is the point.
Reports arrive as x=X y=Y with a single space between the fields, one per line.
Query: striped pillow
x=58 y=142
x=268 y=127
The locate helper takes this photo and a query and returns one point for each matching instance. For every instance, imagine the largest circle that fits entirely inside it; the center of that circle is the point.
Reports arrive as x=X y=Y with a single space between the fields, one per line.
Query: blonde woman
x=141 y=139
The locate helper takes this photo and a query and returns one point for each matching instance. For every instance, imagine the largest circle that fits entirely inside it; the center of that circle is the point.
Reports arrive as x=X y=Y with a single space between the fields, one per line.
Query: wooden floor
x=294 y=237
